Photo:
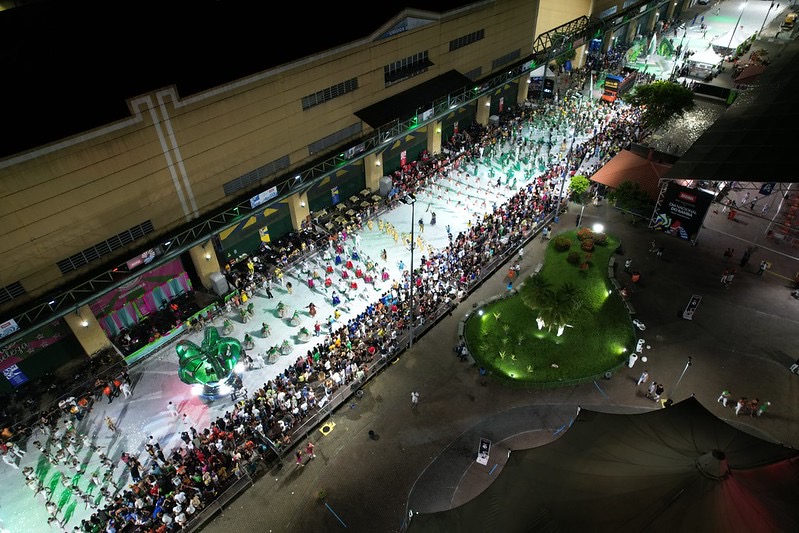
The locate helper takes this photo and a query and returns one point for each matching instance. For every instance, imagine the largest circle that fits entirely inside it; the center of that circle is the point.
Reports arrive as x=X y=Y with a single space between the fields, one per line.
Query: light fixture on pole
x=684 y=370
x=563 y=179
x=765 y=18
x=410 y=199
x=729 y=45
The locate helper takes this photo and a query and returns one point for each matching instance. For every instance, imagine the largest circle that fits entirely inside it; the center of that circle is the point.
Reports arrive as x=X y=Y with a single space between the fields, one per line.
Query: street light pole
x=411 y=199
x=563 y=177
x=765 y=18
x=729 y=45
x=684 y=370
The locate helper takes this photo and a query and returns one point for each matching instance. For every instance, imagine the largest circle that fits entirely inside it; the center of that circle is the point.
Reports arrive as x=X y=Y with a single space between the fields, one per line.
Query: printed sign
x=14 y=375
x=8 y=327
x=688 y=314
x=263 y=197
x=682 y=211
x=483 y=451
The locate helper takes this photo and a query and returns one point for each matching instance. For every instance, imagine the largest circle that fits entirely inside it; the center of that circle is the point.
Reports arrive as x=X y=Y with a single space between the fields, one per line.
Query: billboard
x=682 y=211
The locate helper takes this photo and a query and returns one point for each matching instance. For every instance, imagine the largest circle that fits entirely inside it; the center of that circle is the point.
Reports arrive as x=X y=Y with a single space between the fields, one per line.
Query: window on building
x=328 y=94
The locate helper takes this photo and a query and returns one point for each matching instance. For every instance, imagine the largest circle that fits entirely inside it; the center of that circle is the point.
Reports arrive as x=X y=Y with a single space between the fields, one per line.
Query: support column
x=672 y=8
x=483 y=110
x=651 y=21
x=524 y=86
x=632 y=26
x=434 y=137
x=298 y=209
x=87 y=330
x=203 y=257
x=373 y=169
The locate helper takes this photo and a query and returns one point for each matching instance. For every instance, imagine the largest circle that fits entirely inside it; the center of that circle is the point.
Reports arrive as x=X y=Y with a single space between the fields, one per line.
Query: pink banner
x=31 y=343
x=136 y=288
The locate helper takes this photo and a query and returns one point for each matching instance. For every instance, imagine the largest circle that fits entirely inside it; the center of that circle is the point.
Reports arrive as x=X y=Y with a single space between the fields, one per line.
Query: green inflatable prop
x=211 y=362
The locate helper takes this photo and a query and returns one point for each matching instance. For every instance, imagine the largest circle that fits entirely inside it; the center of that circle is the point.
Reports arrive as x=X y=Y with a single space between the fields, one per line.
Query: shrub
x=584 y=266
x=562 y=244
x=573 y=258
x=584 y=233
x=587 y=245
x=600 y=239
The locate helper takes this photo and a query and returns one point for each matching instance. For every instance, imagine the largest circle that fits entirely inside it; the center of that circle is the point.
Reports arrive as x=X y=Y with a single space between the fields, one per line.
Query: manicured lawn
x=506 y=341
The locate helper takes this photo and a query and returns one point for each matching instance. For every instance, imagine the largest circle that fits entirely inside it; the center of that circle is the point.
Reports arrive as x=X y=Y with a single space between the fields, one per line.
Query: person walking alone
x=724 y=397
x=172 y=408
x=109 y=422
x=414 y=399
x=642 y=379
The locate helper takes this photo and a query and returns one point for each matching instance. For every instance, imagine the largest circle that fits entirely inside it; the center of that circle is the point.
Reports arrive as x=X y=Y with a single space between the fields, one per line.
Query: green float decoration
x=211 y=363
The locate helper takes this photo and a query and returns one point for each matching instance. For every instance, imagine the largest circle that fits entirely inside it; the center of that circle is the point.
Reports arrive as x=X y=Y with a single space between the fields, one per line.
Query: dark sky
x=69 y=66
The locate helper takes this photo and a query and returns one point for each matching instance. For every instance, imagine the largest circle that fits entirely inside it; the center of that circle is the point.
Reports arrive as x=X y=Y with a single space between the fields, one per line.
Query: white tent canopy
x=706 y=57
x=737 y=37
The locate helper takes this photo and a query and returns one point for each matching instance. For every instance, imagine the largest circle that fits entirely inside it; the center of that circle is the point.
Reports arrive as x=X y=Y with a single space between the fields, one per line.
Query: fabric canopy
x=627 y=166
x=673 y=469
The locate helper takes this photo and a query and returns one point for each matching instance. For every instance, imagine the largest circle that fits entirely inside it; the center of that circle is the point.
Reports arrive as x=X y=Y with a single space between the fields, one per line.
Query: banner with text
x=31 y=343
x=682 y=211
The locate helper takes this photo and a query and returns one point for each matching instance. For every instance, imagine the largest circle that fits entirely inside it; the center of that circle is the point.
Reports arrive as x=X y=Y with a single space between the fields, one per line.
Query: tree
x=629 y=195
x=578 y=185
x=537 y=290
x=660 y=101
x=555 y=308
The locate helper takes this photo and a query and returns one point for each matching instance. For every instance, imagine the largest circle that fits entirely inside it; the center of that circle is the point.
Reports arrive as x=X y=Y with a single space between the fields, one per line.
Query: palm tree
x=569 y=297
x=538 y=290
x=555 y=309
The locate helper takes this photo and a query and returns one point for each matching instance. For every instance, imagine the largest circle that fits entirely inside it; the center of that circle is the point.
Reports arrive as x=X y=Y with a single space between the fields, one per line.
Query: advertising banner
x=264 y=234
x=15 y=376
x=31 y=343
x=262 y=198
x=8 y=327
x=682 y=211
